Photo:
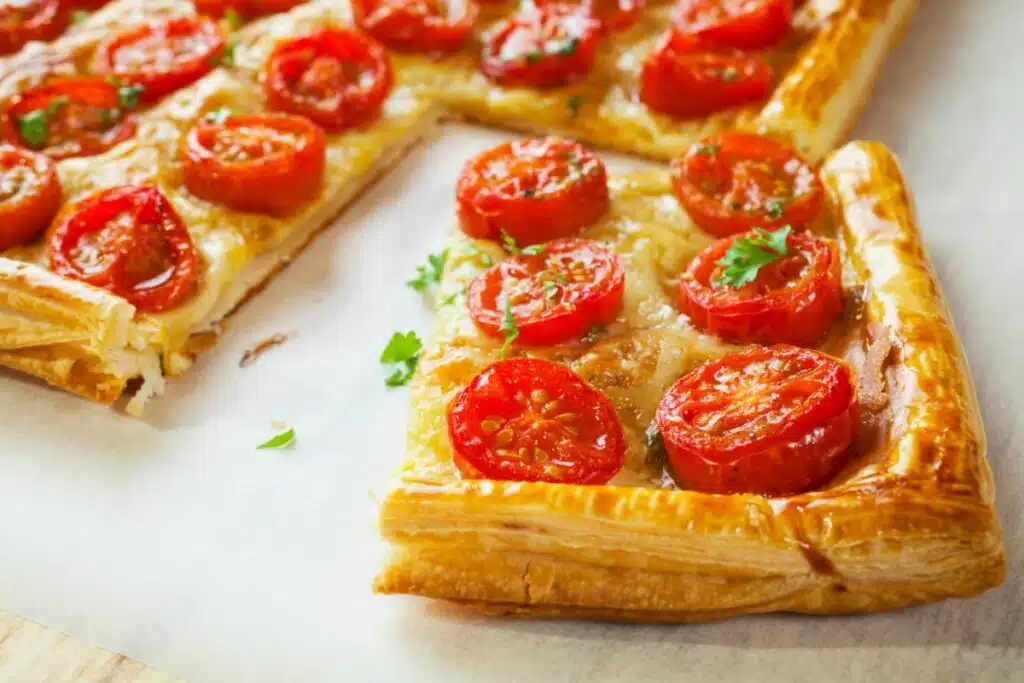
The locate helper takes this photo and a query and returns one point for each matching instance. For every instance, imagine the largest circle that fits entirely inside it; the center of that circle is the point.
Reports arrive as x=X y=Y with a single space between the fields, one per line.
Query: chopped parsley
x=474 y=250
x=227 y=56
x=449 y=300
x=567 y=48
x=707 y=150
x=282 y=440
x=34 y=128
x=400 y=357
x=550 y=289
x=128 y=96
x=534 y=56
x=219 y=115
x=56 y=104
x=573 y=104
x=232 y=19
x=508 y=327
x=429 y=274
x=513 y=248
x=774 y=208
x=78 y=16
x=747 y=255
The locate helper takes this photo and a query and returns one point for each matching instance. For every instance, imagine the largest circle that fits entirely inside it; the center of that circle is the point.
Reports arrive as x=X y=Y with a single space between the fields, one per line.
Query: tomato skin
x=415 y=25
x=745 y=25
x=319 y=60
x=282 y=179
x=50 y=19
x=779 y=450
x=687 y=84
x=247 y=8
x=534 y=190
x=128 y=228
x=535 y=62
x=515 y=407
x=591 y=294
x=780 y=306
x=26 y=213
x=727 y=184
x=86 y=97
x=205 y=40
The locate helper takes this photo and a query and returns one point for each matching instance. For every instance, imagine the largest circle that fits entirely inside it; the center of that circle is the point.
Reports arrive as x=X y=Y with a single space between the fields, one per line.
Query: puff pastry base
x=910 y=521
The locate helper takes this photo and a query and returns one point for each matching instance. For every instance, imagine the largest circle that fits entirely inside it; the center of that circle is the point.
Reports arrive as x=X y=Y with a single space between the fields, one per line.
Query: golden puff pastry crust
x=910 y=520
x=825 y=71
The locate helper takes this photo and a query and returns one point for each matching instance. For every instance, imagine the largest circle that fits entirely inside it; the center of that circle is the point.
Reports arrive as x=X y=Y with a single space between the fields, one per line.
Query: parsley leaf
x=550 y=289
x=747 y=255
x=128 y=96
x=774 y=208
x=34 y=128
x=78 y=16
x=534 y=56
x=282 y=440
x=227 y=56
x=400 y=357
x=219 y=115
x=566 y=48
x=508 y=327
x=55 y=105
x=232 y=19
x=429 y=274
x=474 y=250
x=449 y=300
x=513 y=248
x=573 y=104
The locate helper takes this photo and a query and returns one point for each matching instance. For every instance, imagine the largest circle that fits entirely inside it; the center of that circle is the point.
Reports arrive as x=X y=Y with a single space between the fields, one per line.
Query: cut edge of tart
x=909 y=520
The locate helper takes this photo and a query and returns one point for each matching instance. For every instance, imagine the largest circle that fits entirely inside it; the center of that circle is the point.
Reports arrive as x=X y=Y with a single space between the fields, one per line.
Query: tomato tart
x=653 y=416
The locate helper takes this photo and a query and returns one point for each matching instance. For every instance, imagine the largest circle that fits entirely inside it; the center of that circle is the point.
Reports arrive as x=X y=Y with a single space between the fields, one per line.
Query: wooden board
x=30 y=653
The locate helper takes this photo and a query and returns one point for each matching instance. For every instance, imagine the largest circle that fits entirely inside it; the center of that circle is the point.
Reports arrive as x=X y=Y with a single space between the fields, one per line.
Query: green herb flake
x=534 y=56
x=774 y=208
x=227 y=56
x=285 y=439
x=218 y=116
x=128 y=96
x=34 y=128
x=455 y=296
x=429 y=274
x=232 y=19
x=573 y=104
x=567 y=48
x=508 y=327
x=550 y=289
x=400 y=357
x=707 y=150
x=747 y=255
x=474 y=250
x=79 y=16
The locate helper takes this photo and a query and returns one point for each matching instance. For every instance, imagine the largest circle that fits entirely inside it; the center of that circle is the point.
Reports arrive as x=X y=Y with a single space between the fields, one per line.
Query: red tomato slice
x=417 y=25
x=246 y=8
x=30 y=195
x=337 y=78
x=771 y=420
x=546 y=47
x=686 y=84
x=71 y=117
x=554 y=296
x=27 y=20
x=614 y=15
x=742 y=24
x=792 y=300
x=272 y=163
x=527 y=419
x=130 y=241
x=532 y=190
x=163 y=56
x=734 y=182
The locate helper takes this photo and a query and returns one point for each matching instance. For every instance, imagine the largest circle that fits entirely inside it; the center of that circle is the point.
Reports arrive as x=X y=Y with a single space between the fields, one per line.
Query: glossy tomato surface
x=22 y=21
x=130 y=241
x=532 y=191
x=792 y=300
x=263 y=163
x=335 y=77
x=772 y=420
x=553 y=296
x=735 y=182
x=742 y=24
x=433 y=26
x=527 y=419
x=30 y=195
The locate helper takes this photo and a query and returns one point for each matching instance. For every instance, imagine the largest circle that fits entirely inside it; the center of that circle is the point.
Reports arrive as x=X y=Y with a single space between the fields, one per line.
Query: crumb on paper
x=253 y=354
x=278 y=425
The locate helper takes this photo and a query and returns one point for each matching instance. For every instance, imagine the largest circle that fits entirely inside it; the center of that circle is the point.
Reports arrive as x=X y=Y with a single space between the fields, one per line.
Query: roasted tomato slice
x=792 y=299
x=685 y=84
x=417 y=25
x=335 y=77
x=271 y=163
x=71 y=117
x=771 y=420
x=163 y=56
x=130 y=241
x=742 y=24
x=246 y=8
x=553 y=294
x=30 y=195
x=545 y=47
x=532 y=191
x=614 y=15
x=527 y=419
x=22 y=21
x=734 y=182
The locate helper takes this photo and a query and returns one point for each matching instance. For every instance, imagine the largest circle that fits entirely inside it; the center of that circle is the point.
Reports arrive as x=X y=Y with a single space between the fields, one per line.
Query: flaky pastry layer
x=910 y=520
